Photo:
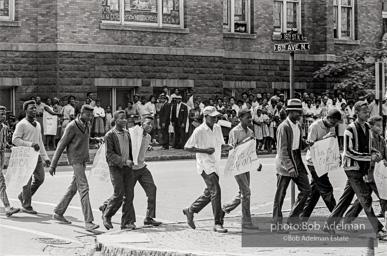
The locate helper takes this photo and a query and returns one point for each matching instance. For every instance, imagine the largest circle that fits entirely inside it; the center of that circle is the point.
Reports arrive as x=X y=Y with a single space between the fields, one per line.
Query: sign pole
x=379 y=85
x=291 y=60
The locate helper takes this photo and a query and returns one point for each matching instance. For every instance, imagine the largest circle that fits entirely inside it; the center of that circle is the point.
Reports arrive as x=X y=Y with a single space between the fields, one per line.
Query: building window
x=287 y=16
x=7 y=98
x=7 y=10
x=154 y=13
x=344 y=19
x=236 y=16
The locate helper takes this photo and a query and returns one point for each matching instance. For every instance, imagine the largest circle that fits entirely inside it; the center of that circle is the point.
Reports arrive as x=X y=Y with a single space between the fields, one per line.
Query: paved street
x=178 y=185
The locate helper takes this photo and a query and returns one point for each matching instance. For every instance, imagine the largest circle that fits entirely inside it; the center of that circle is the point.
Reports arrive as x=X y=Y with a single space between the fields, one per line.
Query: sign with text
x=100 y=168
x=22 y=164
x=380 y=176
x=325 y=156
x=136 y=134
x=293 y=37
x=242 y=159
x=290 y=47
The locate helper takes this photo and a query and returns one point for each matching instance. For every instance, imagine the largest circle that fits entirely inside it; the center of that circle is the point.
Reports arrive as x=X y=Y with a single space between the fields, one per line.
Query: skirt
x=99 y=126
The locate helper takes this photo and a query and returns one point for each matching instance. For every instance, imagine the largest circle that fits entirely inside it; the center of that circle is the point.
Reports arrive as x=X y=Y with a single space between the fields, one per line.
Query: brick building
x=116 y=48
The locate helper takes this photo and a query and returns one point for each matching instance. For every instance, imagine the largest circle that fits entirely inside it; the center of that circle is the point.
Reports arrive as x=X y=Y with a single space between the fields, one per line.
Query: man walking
x=179 y=121
x=206 y=141
x=76 y=141
x=9 y=211
x=28 y=134
x=321 y=186
x=289 y=165
x=165 y=119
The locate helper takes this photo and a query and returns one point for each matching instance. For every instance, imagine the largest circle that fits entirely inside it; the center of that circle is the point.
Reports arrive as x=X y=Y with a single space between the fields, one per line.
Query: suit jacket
x=113 y=150
x=165 y=114
x=285 y=158
x=182 y=117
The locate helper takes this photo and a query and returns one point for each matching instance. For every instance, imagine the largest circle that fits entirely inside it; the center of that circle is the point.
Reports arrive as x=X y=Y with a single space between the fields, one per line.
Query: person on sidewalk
x=357 y=155
x=239 y=135
x=76 y=142
x=378 y=143
x=120 y=161
x=321 y=186
x=179 y=121
x=289 y=165
x=207 y=141
x=165 y=120
x=9 y=210
x=28 y=134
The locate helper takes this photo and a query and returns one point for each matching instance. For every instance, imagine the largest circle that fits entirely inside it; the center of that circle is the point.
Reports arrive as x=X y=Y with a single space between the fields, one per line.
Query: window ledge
x=109 y=26
x=347 y=41
x=10 y=23
x=239 y=35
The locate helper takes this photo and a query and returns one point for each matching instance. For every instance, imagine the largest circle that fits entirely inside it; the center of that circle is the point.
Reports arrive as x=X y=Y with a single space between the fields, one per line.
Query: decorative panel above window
x=343 y=19
x=287 y=16
x=7 y=10
x=236 y=16
x=153 y=13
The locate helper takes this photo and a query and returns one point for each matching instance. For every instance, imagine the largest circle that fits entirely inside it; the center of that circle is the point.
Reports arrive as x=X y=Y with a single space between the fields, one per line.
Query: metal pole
x=380 y=84
x=292 y=186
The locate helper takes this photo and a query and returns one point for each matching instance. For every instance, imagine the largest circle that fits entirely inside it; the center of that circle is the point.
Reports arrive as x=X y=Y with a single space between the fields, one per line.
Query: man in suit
x=179 y=121
x=165 y=120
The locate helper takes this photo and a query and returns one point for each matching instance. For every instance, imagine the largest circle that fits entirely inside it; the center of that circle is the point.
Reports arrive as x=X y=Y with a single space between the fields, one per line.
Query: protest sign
x=100 y=169
x=242 y=159
x=325 y=156
x=22 y=164
x=380 y=176
x=136 y=134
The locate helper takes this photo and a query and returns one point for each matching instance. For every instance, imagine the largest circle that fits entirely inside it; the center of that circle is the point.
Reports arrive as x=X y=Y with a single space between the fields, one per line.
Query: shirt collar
x=290 y=121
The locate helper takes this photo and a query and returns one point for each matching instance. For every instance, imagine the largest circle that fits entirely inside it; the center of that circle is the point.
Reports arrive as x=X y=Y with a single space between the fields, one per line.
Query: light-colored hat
x=294 y=104
x=210 y=111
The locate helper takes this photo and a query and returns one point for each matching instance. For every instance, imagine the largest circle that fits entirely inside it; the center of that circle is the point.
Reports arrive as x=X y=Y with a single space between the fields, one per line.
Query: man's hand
x=36 y=147
x=48 y=162
x=150 y=148
x=329 y=135
x=373 y=157
x=163 y=126
x=182 y=125
x=310 y=143
x=129 y=163
x=385 y=162
x=293 y=173
x=52 y=171
x=210 y=151
x=227 y=147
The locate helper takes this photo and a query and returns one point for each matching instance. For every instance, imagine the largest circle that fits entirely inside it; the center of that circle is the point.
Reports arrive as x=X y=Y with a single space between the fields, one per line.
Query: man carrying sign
x=321 y=186
x=238 y=135
x=28 y=134
x=3 y=145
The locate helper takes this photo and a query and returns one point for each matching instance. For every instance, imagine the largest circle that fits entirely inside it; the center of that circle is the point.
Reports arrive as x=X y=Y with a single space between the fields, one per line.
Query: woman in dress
x=50 y=125
x=99 y=116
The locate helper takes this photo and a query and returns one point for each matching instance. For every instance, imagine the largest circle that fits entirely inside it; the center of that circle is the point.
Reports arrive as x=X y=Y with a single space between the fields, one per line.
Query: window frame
x=338 y=25
x=159 y=23
x=283 y=21
x=231 y=17
x=11 y=16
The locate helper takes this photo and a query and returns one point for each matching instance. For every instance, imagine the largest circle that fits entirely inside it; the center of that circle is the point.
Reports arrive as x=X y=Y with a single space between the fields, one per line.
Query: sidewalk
x=178 y=239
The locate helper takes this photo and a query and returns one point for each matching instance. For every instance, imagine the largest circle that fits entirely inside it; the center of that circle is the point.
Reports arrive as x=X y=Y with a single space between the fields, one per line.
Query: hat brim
x=214 y=114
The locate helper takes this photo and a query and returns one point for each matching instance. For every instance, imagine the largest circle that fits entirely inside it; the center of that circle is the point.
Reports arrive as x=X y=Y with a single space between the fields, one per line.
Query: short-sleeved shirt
x=68 y=110
x=316 y=132
x=203 y=137
x=238 y=134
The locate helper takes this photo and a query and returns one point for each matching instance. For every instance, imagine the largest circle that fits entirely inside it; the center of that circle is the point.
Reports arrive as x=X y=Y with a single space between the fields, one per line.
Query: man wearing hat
x=179 y=121
x=9 y=211
x=289 y=165
x=165 y=120
x=207 y=141
x=28 y=134
x=68 y=112
x=76 y=142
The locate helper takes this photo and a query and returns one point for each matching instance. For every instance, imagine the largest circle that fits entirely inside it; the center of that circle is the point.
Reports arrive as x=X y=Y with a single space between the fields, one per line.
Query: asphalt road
x=178 y=185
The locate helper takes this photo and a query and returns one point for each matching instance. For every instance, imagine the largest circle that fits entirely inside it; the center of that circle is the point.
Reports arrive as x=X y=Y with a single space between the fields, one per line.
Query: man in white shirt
x=206 y=141
x=28 y=134
x=68 y=112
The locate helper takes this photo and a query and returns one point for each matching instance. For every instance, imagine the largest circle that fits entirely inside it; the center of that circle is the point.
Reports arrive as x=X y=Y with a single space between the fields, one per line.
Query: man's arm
x=18 y=135
x=351 y=152
x=283 y=149
x=42 y=150
x=111 y=156
x=62 y=144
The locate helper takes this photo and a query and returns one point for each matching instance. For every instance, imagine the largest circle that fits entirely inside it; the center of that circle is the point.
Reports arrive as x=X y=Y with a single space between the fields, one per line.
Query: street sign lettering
x=291 y=47
x=292 y=37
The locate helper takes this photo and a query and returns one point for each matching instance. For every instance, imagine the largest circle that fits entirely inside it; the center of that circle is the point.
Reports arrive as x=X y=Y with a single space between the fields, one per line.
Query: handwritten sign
x=100 y=169
x=325 y=156
x=242 y=159
x=136 y=134
x=380 y=176
x=22 y=164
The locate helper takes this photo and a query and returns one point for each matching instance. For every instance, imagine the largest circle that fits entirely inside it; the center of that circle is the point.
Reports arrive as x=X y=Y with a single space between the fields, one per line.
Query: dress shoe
x=220 y=229
x=91 y=226
x=61 y=219
x=11 y=211
x=152 y=222
x=128 y=227
x=190 y=215
x=107 y=222
x=29 y=210
x=250 y=226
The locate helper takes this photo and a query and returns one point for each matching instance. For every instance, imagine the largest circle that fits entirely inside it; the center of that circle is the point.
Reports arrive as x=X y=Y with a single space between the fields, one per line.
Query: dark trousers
x=179 y=137
x=144 y=177
x=211 y=194
x=356 y=207
x=320 y=186
x=303 y=186
x=165 y=136
x=33 y=184
x=355 y=185
x=243 y=196
x=123 y=185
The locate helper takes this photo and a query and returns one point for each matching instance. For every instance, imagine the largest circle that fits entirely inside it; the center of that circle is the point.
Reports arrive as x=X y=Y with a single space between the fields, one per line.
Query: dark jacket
x=113 y=151
x=165 y=114
x=182 y=117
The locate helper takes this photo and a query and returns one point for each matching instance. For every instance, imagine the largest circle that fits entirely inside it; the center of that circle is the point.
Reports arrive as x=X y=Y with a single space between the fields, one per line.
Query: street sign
x=290 y=47
x=293 y=37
